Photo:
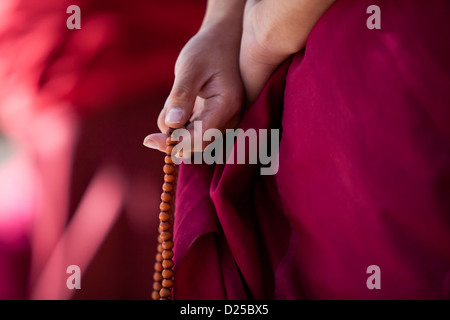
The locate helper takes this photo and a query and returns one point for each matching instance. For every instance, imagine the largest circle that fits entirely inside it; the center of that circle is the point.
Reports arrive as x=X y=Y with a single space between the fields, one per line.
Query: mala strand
x=163 y=275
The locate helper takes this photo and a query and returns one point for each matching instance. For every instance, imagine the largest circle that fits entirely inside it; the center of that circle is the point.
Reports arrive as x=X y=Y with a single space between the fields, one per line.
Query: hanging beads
x=163 y=275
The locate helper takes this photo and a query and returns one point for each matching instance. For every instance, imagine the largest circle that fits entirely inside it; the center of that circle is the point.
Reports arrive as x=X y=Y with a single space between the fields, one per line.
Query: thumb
x=181 y=100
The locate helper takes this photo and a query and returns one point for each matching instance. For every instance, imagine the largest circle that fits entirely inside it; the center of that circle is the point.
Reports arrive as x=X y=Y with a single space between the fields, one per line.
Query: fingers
x=205 y=89
x=156 y=141
x=180 y=102
x=217 y=113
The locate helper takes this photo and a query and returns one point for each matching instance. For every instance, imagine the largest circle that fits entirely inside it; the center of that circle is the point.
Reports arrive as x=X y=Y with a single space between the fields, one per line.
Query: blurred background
x=77 y=187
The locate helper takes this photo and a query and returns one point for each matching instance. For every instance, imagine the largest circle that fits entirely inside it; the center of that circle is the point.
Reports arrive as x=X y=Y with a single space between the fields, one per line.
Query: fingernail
x=174 y=115
x=149 y=143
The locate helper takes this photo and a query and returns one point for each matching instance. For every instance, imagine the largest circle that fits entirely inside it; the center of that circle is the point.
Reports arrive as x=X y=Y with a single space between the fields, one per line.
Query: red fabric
x=75 y=106
x=121 y=52
x=364 y=174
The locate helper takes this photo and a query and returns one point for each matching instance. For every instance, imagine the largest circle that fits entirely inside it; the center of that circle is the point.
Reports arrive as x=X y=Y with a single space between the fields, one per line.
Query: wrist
x=283 y=27
x=227 y=14
x=220 y=35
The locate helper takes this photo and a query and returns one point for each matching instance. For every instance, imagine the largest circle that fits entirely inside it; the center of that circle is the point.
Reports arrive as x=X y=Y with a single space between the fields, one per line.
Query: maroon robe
x=364 y=175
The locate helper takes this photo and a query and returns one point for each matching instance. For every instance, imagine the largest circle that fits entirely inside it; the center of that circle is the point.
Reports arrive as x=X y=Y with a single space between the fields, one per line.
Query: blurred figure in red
x=76 y=185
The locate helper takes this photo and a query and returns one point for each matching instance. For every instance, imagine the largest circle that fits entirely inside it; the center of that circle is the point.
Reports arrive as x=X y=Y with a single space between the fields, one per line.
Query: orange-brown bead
x=167 y=283
x=169 y=168
x=155 y=295
x=166 y=235
x=167 y=187
x=168 y=160
x=171 y=142
x=167 y=273
x=164 y=216
x=167 y=264
x=167 y=245
x=157 y=276
x=164 y=226
x=165 y=293
x=167 y=254
x=165 y=206
x=159 y=266
x=166 y=197
x=169 y=178
x=157 y=285
x=169 y=150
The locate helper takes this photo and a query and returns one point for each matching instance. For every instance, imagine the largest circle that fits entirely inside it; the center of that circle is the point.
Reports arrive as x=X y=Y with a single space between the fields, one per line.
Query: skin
x=227 y=63
x=272 y=31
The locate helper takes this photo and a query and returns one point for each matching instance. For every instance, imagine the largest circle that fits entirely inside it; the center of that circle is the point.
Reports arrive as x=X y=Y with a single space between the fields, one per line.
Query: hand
x=207 y=85
x=272 y=31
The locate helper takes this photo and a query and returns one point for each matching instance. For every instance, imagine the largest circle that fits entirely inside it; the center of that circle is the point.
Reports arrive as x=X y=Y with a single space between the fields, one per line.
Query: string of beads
x=163 y=276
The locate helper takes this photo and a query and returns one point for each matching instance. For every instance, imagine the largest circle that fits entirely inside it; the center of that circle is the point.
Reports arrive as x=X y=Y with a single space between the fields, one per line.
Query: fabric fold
x=224 y=195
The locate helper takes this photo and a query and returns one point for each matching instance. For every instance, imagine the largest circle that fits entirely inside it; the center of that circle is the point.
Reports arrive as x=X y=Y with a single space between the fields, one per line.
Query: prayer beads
x=163 y=274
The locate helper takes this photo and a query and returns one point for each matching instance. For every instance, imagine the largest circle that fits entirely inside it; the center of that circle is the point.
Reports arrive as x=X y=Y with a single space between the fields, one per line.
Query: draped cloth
x=364 y=171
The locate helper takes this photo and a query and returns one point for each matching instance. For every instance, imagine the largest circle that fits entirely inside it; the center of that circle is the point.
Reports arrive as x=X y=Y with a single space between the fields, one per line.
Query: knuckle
x=179 y=95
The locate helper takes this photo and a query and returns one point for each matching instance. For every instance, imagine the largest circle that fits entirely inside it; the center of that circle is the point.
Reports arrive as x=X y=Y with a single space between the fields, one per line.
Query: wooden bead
x=169 y=150
x=169 y=168
x=164 y=216
x=157 y=285
x=167 y=187
x=164 y=226
x=163 y=266
x=167 y=264
x=159 y=267
x=169 y=178
x=167 y=245
x=168 y=160
x=171 y=142
x=166 y=197
x=165 y=206
x=165 y=293
x=167 y=283
x=157 y=276
x=167 y=254
x=167 y=273
x=155 y=295
x=166 y=235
